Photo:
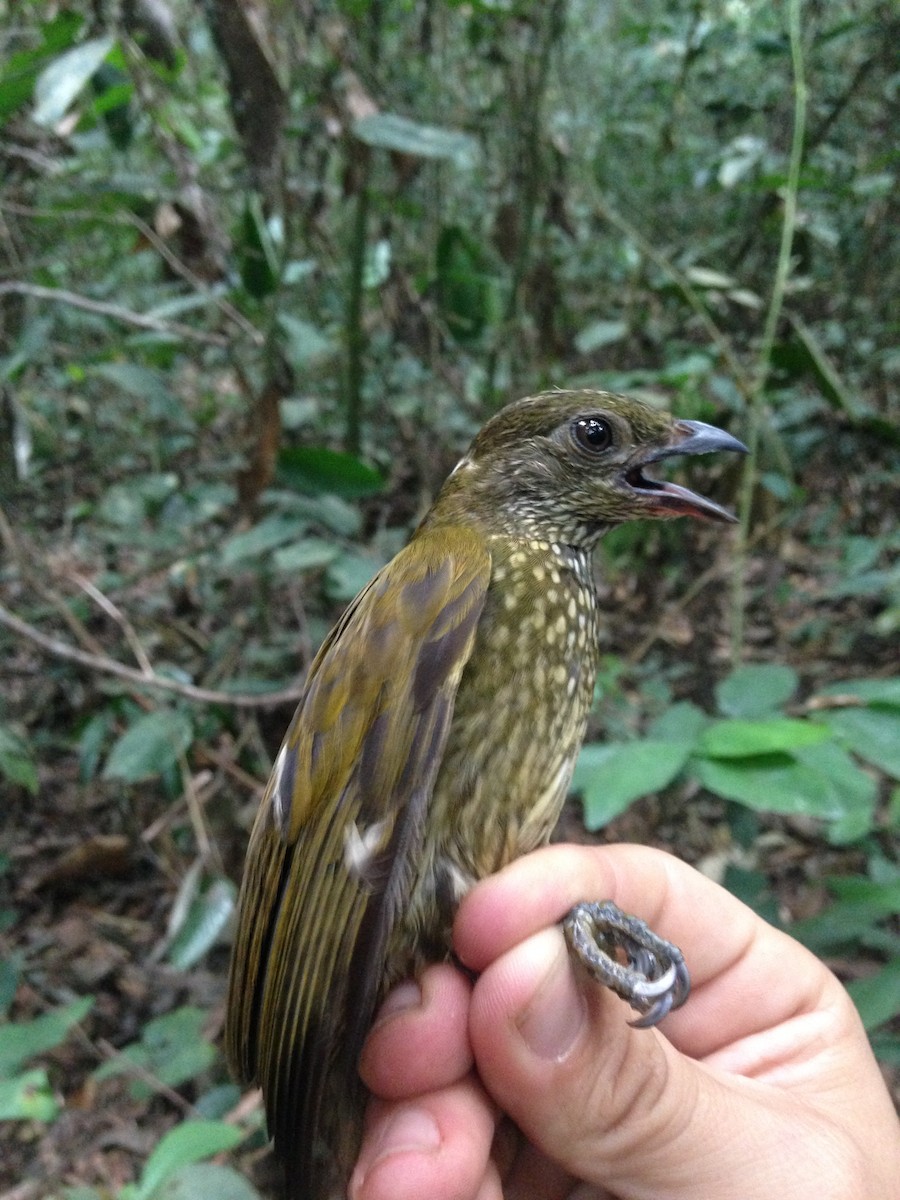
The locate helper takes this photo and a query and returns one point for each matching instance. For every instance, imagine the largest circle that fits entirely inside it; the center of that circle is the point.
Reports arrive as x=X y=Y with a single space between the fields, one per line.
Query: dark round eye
x=593 y=433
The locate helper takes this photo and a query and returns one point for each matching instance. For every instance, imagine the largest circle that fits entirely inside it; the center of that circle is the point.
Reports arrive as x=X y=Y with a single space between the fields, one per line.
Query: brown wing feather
x=363 y=749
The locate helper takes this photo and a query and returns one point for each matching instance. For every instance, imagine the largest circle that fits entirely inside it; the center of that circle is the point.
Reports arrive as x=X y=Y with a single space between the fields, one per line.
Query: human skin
x=530 y=1083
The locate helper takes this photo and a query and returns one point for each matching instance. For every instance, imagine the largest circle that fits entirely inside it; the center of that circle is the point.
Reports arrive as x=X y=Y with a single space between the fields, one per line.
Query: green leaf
x=681 y=722
x=755 y=690
x=317 y=469
x=872 y=733
x=172 y=1048
x=467 y=289
x=258 y=259
x=600 y=333
x=207 y=1180
x=872 y=691
x=310 y=554
x=204 y=920
x=16 y=762
x=259 y=539
x=28 y=1097
x=59 y=84
x=611 y=776
x=388 y=131
x=186 y=1143
x=22 y=1040
x=860 y=905
x=150 y=746
x=878 y=996
x=744 y=739
x=349 y=574
x=304 y=342
x=819 y=781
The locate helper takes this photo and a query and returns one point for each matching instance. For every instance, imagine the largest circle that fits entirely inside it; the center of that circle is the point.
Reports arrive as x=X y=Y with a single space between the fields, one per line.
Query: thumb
x=615 y=1106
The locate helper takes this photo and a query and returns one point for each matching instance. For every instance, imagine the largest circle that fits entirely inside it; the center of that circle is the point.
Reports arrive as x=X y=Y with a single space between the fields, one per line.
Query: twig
x=109 y=666
x=755 y=408
x=693 y=298
x=120 y=619
x=114 y=311
x=108 y=1052
x=26 y=569
x=133 y=221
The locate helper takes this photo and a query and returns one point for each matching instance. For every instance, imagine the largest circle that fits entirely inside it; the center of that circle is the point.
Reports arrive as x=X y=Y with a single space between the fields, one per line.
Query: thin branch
x=120 y=619
x=131 y=220
x=756 y=407
x=109 y=666
x=116 y=313
x=32 y=579
x=690 y=294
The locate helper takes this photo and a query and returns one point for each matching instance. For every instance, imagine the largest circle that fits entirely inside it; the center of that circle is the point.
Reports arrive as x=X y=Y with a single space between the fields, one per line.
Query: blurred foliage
x=241 y=344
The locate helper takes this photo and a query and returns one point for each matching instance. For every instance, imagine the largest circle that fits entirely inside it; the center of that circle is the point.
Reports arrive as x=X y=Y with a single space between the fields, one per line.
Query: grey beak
x=698 y=438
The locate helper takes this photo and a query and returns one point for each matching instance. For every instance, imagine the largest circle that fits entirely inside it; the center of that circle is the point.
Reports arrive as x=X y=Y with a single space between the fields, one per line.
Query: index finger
x=746 y=976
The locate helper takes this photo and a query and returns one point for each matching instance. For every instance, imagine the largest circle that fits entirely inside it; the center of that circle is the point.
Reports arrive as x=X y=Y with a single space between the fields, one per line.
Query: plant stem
x=529 y=140
x=756 y=407
x=353 y=330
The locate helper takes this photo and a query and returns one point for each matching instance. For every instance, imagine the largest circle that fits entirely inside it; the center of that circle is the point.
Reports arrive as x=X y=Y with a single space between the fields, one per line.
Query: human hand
x=763 y=1084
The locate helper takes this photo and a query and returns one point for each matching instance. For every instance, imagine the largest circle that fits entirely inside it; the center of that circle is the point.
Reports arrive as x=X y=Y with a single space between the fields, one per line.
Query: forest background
x=265 y=269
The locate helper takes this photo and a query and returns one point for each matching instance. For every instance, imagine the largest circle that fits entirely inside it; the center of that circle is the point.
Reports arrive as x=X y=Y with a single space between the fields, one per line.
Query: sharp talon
x=656 y=987
x=660 y=1009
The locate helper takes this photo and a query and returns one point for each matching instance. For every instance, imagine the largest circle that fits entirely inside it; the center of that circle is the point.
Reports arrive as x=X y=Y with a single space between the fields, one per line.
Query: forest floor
x=94 y=868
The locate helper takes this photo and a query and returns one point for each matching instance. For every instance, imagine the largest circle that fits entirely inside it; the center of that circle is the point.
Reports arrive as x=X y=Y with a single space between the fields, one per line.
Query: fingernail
x=399 y=999
x=554 y=1016
x=407 y=1129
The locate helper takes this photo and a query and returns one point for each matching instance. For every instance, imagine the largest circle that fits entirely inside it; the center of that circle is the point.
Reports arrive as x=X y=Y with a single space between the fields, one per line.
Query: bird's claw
x=653 y=979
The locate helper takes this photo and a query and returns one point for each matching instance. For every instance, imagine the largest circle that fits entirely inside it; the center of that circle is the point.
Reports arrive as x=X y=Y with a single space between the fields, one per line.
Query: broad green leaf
x=204 y=920
x=389 y=131
x=186 y=1143
x=310 y=554
x=172 y=1048
x=59 y=84
x=611 y=776
x=206 y=1180
x=261 y=538
x=317 y=469
x=744 y=739
x=28 y=1097
x=681 y=722
x=818 y=781
x=21 y=1040
x=878 y=996
x=149 y=747
x=755 y=690
x=872 y=733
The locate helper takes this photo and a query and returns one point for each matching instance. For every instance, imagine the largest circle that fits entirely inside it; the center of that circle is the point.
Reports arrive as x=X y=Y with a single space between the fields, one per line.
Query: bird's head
x=567 y=465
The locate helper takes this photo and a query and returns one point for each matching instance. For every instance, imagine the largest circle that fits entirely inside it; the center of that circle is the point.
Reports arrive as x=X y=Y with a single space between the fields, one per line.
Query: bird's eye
x=593 y=433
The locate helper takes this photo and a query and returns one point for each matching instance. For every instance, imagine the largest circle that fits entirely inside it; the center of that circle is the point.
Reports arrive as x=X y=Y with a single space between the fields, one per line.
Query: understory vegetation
x=265 y=270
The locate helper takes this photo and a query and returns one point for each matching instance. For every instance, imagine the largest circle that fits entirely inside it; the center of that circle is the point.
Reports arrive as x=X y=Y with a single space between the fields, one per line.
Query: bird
x=434 y=743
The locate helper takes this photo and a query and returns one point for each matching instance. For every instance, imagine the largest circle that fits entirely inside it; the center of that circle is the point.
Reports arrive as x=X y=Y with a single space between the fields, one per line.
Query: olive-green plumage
x=434 y=743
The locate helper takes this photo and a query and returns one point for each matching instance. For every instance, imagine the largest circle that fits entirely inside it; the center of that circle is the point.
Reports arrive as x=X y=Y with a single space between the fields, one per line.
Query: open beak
x=664 y=499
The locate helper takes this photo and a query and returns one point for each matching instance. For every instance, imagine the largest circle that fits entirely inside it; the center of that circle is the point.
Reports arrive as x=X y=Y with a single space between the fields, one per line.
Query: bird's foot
x=653 y=977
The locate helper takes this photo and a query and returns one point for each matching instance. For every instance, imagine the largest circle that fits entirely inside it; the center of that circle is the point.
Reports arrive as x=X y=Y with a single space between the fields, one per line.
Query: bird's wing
x=350 y=789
